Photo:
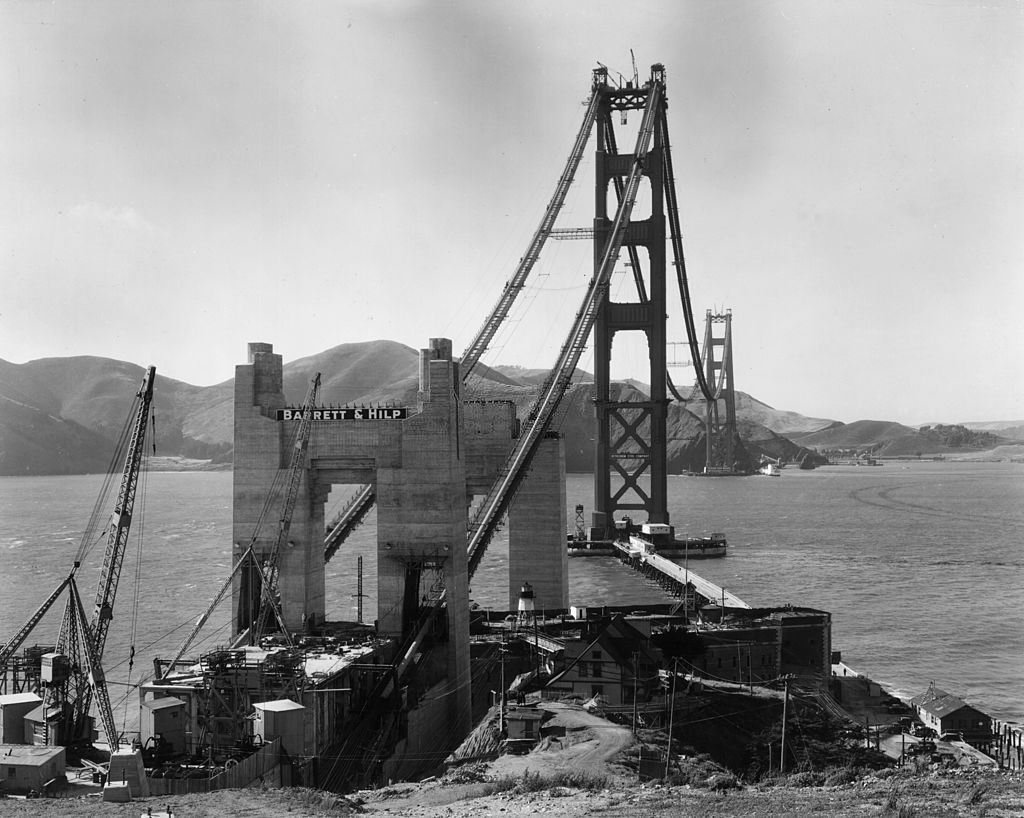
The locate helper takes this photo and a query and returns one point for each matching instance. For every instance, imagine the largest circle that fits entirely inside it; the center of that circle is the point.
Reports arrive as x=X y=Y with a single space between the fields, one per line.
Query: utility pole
x=636 y=662
x=782 y=749
x=671 y=714
x=359 y=590
x=501 y=719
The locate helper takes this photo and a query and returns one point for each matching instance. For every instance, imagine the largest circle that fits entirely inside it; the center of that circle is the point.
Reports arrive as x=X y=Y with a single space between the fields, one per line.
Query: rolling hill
x=62 y=415
x=887 y=439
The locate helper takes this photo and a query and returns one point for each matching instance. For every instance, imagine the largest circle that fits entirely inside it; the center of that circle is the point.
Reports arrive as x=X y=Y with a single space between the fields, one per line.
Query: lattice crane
x=266 y=574
x=82 y=639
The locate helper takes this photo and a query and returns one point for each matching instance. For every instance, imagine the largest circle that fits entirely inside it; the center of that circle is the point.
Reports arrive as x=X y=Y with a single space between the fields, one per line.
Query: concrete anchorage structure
x=425 y=464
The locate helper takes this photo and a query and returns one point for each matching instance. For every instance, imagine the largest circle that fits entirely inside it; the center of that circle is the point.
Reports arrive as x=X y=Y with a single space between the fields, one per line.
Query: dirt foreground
x=587 y=773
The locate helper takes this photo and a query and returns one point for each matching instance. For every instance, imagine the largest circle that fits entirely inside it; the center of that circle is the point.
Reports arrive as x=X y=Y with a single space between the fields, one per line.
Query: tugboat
x=771 y=466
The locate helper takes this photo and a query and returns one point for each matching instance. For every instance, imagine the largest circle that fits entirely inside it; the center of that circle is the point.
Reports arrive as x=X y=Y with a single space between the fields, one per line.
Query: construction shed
x=283 y=719
x=27 y=767
x=13 y=709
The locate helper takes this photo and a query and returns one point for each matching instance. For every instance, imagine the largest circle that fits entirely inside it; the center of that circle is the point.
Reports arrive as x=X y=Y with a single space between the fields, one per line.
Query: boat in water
x=650 y=538
x=660 y=538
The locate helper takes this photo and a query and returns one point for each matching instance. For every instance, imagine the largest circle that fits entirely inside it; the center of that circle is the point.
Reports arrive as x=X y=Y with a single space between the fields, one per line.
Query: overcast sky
x=179 y=179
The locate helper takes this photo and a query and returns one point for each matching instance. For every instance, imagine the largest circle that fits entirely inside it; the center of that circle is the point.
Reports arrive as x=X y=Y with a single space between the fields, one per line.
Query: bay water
x=920 y=563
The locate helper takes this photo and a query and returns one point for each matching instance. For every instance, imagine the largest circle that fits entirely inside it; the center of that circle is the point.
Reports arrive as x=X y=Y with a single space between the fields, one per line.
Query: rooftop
x=28 y=753
x=938 y=702
x=278 y=706
x=162 y=703
x=19 y=698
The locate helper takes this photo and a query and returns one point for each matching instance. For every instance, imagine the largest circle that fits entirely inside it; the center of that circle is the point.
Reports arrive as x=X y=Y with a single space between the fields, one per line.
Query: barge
x=657 y=538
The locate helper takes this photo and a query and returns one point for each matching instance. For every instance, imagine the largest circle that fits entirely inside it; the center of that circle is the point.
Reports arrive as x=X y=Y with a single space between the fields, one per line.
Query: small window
x=597 y=654
x=12 y=772
x=597 y=670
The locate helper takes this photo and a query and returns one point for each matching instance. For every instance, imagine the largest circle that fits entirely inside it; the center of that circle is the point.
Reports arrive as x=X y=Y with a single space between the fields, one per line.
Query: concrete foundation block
x=117 y=792
x=126 y=768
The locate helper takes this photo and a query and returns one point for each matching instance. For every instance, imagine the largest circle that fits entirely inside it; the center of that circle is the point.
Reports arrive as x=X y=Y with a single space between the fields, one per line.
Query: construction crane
x=265 y=572
x=268 y=598
x=93 y=638
x=73 y=675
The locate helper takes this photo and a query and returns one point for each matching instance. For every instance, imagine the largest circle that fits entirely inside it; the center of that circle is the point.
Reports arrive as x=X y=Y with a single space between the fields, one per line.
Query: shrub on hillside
x=839 y=776
x=536 y=782
x=698 y=771
x=806 y=779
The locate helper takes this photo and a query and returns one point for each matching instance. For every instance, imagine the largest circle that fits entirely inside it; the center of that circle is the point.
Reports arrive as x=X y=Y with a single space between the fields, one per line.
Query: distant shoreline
x=179 y=463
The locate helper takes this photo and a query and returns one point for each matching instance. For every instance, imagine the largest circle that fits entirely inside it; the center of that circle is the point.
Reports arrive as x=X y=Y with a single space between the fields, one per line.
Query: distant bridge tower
x=720 y=432
x=631 y=435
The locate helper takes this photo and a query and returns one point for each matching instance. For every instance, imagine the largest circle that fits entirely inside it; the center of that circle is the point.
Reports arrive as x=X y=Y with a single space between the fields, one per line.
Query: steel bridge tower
x=720 y=432
x=631 y=435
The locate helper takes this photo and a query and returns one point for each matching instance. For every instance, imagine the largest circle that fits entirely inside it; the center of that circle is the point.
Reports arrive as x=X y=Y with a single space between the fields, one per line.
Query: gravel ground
x=593 y=753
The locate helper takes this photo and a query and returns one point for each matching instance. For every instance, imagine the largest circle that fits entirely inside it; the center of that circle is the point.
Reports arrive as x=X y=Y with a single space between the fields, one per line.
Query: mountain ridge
x=62 y=415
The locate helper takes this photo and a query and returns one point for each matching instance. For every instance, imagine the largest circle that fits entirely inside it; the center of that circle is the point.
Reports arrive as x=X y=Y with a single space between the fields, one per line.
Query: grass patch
x=840 y=776
x=536 y=782
x=977 y=793
x=317 y=802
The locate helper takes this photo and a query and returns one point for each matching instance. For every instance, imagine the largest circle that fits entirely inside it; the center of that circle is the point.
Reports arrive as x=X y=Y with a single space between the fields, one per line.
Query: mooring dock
x=675 y=578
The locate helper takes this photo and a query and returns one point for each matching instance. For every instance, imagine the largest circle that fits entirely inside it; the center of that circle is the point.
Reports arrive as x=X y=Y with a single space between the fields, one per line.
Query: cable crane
x=73 y=675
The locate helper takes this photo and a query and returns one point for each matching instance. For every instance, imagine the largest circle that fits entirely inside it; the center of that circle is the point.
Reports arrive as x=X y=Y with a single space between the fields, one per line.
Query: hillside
x=63 y=415
x=33 y=441
x=779 y=421
x=1009 y=430
x=887 y=439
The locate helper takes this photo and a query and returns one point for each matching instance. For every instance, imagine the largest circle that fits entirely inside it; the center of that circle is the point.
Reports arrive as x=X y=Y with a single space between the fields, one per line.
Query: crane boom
x=80 y=637
x=266 y=575
x=97 y=678
x=268 y=602
x=94 y=632
x=12 y=646
x=248 y=558
x=117 y=537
